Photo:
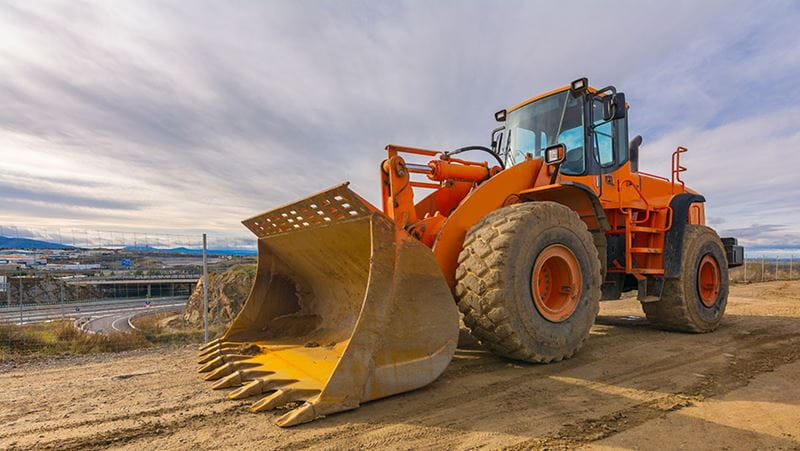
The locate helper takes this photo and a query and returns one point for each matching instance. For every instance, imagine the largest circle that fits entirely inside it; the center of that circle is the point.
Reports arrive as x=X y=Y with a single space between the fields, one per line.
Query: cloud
x=199 y=115
x=52 y=197
x=746 y=171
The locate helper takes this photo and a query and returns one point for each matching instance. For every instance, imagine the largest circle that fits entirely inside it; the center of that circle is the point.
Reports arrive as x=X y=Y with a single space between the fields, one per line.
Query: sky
x=187 y=117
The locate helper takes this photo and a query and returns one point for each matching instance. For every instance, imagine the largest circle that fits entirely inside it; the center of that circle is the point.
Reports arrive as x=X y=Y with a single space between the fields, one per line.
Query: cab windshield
x=554 y=119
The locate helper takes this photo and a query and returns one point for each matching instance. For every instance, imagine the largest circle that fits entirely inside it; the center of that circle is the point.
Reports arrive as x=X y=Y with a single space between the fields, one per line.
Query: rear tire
x=511 y=255
x=696 y=300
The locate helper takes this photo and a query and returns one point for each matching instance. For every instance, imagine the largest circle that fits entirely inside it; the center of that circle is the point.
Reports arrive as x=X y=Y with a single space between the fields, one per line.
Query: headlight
x=579 y=85
x=555 y=154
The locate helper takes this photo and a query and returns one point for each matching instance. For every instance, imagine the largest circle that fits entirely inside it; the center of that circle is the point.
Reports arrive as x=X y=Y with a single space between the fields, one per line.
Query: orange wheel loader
x=353 y=302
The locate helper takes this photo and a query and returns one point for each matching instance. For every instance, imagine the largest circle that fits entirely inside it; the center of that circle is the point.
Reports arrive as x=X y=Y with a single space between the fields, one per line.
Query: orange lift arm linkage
x=465 y=191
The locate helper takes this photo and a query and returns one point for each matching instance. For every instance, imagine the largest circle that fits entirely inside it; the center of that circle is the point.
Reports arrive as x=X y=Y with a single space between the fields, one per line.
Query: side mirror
x=614 y=107
x=497 y=138
x=555 y=154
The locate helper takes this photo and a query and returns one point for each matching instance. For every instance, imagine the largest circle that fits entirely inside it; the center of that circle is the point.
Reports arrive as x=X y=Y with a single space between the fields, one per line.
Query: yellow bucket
x=346 y=308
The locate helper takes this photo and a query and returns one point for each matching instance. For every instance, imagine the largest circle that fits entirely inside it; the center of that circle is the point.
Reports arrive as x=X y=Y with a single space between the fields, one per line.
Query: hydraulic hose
x=481 y=148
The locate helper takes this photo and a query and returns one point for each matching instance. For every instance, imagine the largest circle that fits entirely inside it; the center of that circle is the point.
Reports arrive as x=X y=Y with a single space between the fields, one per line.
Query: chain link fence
x=766 y=268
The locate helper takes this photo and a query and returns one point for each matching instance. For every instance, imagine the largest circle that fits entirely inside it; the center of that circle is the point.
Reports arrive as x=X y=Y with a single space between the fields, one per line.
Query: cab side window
x=604 y=144
x=603 y=136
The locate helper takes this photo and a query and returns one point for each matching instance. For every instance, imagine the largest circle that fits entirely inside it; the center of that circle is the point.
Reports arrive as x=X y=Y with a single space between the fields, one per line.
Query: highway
x=97 y=316
x=120 y=321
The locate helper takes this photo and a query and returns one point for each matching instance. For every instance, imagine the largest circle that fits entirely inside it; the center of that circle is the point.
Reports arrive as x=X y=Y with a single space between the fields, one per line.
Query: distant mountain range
x=186 y=250
x=25 y=243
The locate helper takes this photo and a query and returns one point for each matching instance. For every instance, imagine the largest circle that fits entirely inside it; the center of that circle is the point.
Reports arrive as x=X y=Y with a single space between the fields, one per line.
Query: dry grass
x=60 y=338
x=168 y=328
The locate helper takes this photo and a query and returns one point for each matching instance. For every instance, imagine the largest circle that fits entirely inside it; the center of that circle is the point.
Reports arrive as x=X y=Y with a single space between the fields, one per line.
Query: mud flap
x=345 y=309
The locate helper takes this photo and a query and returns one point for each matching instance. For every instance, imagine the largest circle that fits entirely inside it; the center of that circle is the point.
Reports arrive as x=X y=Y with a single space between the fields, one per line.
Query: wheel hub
x=556 y=283
x=708 y=280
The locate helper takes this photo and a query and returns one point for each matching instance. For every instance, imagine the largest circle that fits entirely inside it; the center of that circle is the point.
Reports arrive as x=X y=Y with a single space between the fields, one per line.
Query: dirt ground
x=630 y=387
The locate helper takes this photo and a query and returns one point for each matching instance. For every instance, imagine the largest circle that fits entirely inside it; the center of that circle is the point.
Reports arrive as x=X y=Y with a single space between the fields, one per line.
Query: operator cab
x=591 y=124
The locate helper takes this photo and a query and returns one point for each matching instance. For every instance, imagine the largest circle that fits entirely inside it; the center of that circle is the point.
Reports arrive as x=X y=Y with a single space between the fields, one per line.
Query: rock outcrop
x=227 y=292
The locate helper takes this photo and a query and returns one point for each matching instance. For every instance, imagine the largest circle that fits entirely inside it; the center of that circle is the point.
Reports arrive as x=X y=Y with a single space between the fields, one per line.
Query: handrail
x=677 y=168
x=641 y=196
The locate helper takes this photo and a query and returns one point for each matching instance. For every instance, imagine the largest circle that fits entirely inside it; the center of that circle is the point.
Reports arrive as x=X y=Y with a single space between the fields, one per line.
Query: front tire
x=528 y=281
x=696 y=300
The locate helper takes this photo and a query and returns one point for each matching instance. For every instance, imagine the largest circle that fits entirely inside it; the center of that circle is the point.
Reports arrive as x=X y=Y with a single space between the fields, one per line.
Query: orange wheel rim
x=708 y=280
x=556 y=283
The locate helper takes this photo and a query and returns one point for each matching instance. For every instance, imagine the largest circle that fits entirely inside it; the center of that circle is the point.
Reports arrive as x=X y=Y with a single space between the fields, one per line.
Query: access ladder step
x=651 y=271
x=645 y=250
x=644 y=229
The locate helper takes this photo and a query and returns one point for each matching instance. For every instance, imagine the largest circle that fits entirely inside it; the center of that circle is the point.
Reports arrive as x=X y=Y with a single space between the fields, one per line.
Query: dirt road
x=630 y=387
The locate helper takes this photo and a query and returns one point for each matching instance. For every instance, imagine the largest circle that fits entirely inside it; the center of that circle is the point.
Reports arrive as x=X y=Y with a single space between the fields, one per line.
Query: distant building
x=72 y=267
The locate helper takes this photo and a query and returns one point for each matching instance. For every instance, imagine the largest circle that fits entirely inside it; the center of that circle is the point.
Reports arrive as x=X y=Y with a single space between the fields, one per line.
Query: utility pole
x=763 y=267
x=791 y=260
x=205 y=290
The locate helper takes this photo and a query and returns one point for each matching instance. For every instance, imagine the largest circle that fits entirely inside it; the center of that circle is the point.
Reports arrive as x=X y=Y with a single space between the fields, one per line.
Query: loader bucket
x=346 y=308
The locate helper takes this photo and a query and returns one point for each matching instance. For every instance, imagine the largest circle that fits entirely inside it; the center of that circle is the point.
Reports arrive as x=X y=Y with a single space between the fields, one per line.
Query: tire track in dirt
x=506 y=387
x=114 y=418
x=122 y=435
x=499 y=392
x=739 y=372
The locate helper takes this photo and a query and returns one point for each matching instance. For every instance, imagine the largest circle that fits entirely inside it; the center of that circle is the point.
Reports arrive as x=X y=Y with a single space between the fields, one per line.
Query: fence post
x=205 y=291
x=791 y=260
x=745 y=270
x=20 y=300
x=62 y=299
x=763 y=267
x=777 y=262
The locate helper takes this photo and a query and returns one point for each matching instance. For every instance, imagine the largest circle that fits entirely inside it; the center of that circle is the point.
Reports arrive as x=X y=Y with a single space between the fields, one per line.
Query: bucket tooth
x=258 y=387
x=216 y=362
x=222 y=347
x=227 y=369
x=212 y=364
x=222 y=371
x=303 y=414
x=281 y=398
x=227 y=355
x=208 y=351
x=205 y=358
x=211 y=344
x=217 y=349
x=232 y=380
x=209 y=357
x=239 y=377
